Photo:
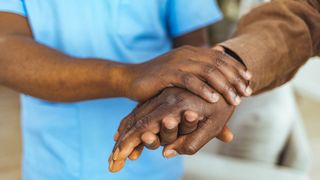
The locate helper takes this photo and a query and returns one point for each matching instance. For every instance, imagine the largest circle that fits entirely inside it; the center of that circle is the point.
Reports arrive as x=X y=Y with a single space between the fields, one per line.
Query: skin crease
x=146 y=120
x=45 y=73
x=167 y=131
x=34 y=69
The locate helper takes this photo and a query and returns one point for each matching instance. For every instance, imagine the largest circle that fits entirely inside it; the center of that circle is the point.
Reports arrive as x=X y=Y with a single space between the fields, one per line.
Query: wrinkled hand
x=141 y=126
x=203 y=71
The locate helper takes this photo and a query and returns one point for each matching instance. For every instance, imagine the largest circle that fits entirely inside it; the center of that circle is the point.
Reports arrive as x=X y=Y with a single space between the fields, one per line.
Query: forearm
x=42 y=72
x=276 y=39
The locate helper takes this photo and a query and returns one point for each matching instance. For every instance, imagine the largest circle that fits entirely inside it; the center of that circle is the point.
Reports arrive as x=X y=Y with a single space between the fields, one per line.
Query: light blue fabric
x=65 y=141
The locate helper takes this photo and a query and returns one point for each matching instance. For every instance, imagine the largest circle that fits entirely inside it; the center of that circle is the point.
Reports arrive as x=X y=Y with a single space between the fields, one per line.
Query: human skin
x=271 y=62
x=146 y=120
x=43 y=72
x=166 y=128
x=40 y=71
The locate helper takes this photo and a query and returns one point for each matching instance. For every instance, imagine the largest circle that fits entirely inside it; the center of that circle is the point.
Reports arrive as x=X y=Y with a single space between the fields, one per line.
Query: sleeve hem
x=13 y=11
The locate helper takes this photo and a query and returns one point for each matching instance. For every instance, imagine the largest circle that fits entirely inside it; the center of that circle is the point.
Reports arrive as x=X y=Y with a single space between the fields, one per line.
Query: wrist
x=124 y=78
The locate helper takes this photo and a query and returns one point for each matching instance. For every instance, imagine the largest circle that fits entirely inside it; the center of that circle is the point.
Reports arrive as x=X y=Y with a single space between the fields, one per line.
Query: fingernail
x=116 y=154
x=170 y=153
x=237 y=100
x=116 y=136
x=243 y=87
x=118 y=165
x=248 y=75
x=111 y=166
x=133 y=156
x=249 y=91
x=214 y=97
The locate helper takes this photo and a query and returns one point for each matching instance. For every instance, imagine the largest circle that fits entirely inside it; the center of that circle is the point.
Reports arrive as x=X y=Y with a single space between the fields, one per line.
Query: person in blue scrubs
x=72 y=140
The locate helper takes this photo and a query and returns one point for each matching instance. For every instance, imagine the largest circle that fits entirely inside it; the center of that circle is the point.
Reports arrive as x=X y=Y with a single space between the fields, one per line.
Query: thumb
x=226 y=135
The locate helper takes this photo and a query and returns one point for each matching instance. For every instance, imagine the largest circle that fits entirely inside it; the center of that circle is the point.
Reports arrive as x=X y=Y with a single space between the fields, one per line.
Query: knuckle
x=143 y=123
x=182 y=105
x=237 y=80
x=209 y=69
x=140 y=124
x=203 y=86
x=220 y=61
x=187 y=79
x=180 y=99
x=240 y=67
x=189 y=149
x=226 y=89
x=237 y=65
x=170 y=100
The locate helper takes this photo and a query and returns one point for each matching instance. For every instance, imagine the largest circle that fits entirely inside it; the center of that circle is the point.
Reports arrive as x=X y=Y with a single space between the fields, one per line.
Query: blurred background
x=277 y=134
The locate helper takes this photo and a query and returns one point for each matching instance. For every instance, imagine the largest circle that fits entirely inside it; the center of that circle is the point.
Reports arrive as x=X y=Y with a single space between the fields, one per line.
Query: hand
x=148 y=120
x=202 y=71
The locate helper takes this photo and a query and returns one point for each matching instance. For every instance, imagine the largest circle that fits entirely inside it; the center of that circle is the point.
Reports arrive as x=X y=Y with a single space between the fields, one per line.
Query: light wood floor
x=10 y=136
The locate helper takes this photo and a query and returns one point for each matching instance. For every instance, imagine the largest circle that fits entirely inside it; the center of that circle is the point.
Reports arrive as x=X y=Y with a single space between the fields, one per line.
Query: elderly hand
x=162 y=115
x=203 y=71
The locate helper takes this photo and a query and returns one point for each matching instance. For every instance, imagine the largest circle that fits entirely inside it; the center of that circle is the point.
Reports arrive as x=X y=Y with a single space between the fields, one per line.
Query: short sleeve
x=185 y=16
x=13 y=6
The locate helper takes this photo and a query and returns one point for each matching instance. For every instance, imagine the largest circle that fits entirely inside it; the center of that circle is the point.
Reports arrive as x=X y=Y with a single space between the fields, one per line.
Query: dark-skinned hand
x=161 y=116
x=206 y=72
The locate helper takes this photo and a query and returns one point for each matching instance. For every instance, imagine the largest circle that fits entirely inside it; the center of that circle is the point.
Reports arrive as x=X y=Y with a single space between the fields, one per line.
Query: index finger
x=132 y=138
x=129 y=121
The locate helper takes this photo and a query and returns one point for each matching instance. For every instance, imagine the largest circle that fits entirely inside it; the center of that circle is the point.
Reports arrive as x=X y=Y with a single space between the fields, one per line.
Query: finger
x=150 y=140
x=129 y=121
x=132 y=138
x=235 y=63
x=189 y=122
x=139 y=111
x=228 y=66
x=136 y=152
x=116 y=136
x=197 y=86
x=219 y=82
x=125 y=149
x=116 y=166
x=226 y=135
x=239 y=67
x=240 y=84
x=191 y=143
x=169 y=129
x=218 y=48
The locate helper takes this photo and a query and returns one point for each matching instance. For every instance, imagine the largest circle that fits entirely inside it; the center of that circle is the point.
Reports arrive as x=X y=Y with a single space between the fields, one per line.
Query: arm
x=268 y=42
x=37 y=70
x=43 y=72
x=276 y=39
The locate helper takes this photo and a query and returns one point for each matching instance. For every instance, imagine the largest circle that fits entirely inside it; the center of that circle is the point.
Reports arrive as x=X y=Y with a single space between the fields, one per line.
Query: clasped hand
x=182 y=120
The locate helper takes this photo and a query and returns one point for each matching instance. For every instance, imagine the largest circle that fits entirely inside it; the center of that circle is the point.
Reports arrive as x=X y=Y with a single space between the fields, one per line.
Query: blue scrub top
x=65 y=141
